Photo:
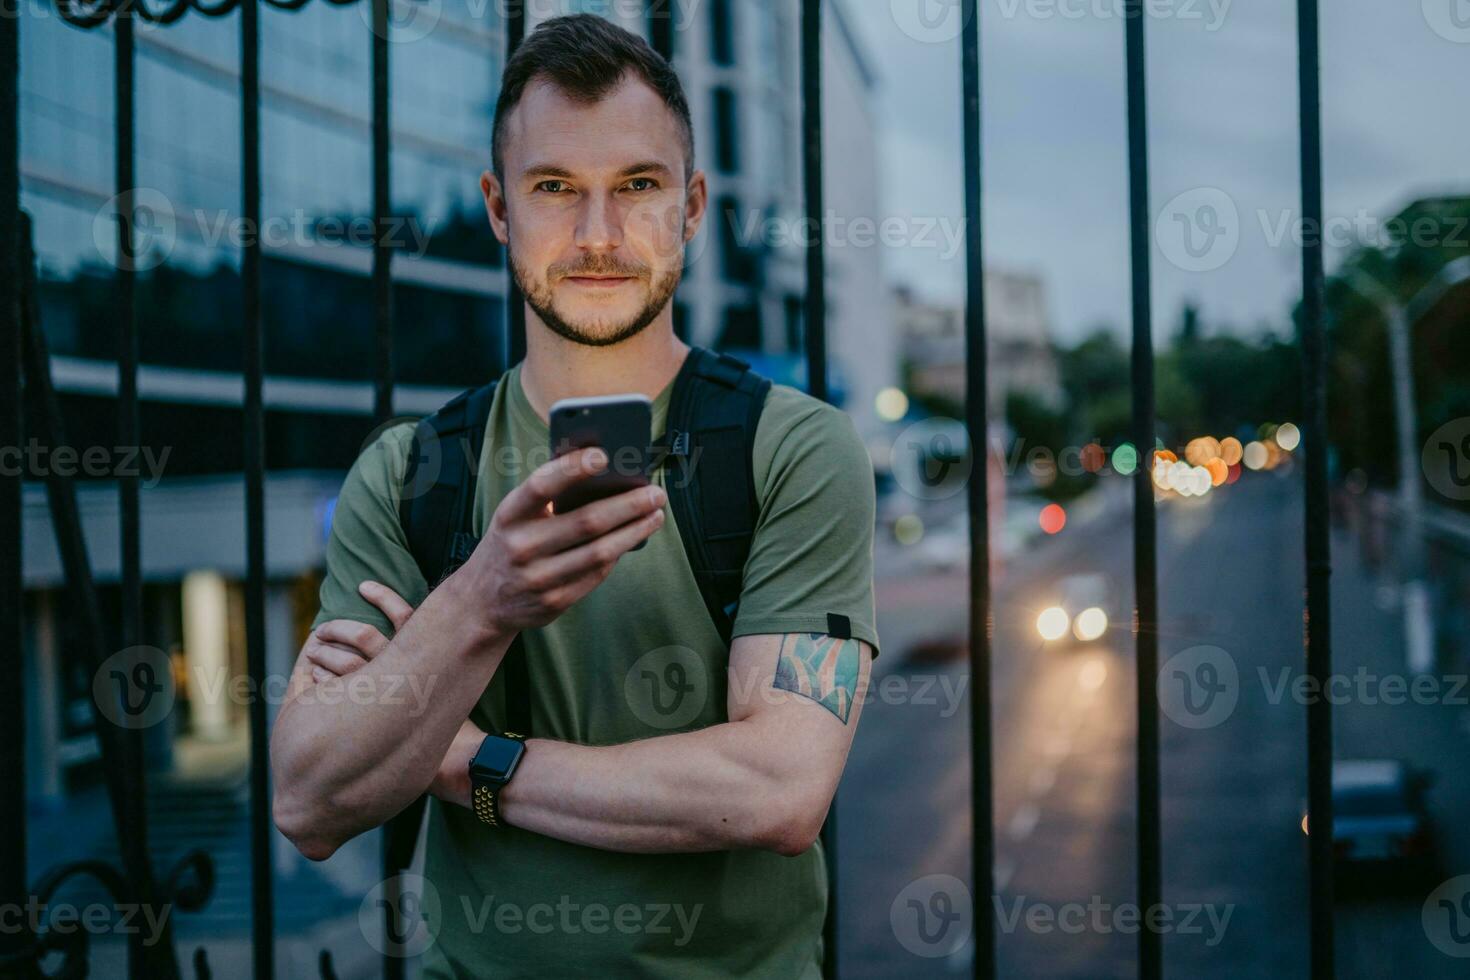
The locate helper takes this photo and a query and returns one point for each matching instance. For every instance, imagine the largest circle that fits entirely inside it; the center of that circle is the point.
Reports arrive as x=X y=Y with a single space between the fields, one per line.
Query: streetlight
x=1400 y=318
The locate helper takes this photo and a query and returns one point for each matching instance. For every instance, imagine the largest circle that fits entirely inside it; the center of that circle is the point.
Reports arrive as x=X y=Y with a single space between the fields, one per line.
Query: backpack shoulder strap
x=437 y=504
x=437 y=513
x=713 y=413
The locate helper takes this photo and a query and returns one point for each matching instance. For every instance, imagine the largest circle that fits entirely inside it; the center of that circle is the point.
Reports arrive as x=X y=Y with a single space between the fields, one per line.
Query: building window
x=795 y=308
x=742 y=329
x=721 y=32
x=738 y=259
x=727 y=132
x=661 y=27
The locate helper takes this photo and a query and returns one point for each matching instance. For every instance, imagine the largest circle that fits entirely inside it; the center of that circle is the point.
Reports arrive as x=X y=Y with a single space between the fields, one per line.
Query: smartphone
x=620 y=425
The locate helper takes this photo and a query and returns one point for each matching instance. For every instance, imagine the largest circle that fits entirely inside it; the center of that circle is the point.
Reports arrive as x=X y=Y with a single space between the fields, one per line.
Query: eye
x=642 y=184
x=552 y=186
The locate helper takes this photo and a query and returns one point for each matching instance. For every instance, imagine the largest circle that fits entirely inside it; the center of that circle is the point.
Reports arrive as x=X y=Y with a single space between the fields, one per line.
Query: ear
x=496 y=206
x=696 y=203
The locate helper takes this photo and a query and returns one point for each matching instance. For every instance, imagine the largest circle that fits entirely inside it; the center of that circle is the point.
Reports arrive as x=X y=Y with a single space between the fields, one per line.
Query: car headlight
x=1090 y=623
x=1052 y=623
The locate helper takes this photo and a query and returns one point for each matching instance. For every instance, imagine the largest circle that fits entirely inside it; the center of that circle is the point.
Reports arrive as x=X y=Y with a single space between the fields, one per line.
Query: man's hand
x=342 y=766
x=340 y=646
x=533 y=565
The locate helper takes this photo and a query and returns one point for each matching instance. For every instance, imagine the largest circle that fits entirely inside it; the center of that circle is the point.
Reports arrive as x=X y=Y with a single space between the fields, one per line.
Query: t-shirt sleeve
x=812 y=553
x=367 y=540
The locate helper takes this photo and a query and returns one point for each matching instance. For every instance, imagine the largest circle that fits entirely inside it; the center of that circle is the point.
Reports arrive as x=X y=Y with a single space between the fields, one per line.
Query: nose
x=599 y=225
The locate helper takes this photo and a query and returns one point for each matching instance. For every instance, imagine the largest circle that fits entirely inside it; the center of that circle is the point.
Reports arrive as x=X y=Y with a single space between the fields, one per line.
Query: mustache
x=598 y=267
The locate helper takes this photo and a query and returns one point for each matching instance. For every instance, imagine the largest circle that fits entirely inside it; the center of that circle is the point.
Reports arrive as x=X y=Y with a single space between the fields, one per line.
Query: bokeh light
x=891 y=404
x=908 y=529
x=1053 y=622
x=1288 y=436
x=1125 y=459
x=1090 y=623
x=1256 y=455
x=1053 y=518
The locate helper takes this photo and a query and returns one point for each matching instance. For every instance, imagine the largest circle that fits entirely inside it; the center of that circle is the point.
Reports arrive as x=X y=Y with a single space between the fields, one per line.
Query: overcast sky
x=1223 y=133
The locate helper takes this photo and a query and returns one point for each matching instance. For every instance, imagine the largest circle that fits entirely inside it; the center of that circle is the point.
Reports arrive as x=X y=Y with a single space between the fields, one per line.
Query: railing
x=189 y=884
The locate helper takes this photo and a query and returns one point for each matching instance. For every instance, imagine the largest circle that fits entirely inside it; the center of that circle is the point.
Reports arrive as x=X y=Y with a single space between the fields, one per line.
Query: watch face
x=497 y=756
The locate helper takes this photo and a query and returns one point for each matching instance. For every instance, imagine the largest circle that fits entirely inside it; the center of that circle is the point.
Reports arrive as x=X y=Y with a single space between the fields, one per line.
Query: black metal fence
x=26 y=397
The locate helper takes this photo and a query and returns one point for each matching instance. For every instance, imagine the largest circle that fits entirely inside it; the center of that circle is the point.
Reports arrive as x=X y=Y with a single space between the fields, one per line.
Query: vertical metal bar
x=13 y=884
x=515 y=302
x=977 y=396
x=382 y=213
x=263 y=911
x=128 y=434
x=1317 y=541
x=398 y=835
x=1145 y=530
x=811 y=170
x=816 y=349
x=127 y=346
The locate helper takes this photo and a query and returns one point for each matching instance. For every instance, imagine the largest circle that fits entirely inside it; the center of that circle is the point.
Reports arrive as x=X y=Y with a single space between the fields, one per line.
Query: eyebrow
x=551 y=170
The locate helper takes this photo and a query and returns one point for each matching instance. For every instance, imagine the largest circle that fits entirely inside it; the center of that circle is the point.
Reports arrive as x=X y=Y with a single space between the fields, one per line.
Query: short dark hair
x=586 y=56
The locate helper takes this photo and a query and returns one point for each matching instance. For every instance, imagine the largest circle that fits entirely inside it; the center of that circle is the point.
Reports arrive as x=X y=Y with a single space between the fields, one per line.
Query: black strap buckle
x=674 y=444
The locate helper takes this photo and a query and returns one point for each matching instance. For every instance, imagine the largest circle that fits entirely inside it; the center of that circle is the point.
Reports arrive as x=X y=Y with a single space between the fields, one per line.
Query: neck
x=557 y=368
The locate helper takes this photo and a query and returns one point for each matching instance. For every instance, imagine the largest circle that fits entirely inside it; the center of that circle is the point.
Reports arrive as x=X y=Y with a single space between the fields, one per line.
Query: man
x=626 y=842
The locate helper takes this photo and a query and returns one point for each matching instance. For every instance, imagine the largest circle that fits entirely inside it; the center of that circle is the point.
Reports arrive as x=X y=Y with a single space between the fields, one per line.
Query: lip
x=599 y=282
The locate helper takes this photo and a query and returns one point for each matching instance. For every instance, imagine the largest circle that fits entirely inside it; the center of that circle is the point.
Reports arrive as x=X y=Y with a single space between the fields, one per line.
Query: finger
x=337 y=661
x=569 y=566
x=390 y=603
x=318 y=642
x=595 y=519
x=360 y=637
x=547 y=481
x=319 y=675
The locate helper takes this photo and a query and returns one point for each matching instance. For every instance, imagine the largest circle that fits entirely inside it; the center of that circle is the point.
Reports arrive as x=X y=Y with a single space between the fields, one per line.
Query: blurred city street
x=1230 y=575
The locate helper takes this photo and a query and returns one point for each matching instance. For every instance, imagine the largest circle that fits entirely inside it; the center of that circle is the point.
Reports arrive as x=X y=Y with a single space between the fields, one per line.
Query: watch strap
x=485 y=794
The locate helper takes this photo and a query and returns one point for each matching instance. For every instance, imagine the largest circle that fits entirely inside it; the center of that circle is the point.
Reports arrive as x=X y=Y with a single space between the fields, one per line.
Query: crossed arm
x=764 y=779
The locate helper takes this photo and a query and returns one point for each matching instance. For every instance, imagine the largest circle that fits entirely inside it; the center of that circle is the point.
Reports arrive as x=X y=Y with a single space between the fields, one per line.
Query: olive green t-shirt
x=635 y=658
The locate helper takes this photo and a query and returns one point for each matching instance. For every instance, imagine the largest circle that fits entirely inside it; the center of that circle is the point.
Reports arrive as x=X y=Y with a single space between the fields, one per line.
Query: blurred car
x=1082 y=608
x=1379 y=818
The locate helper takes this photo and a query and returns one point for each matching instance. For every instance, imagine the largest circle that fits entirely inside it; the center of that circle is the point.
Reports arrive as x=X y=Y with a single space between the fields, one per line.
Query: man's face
x=594 y=209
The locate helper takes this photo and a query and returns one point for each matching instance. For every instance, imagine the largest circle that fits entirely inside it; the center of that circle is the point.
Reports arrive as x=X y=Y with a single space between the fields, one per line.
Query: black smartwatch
x=494 y=763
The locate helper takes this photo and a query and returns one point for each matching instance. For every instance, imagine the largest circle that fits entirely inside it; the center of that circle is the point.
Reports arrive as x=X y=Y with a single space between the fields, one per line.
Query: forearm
x=355 y=750
x=727 y=786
